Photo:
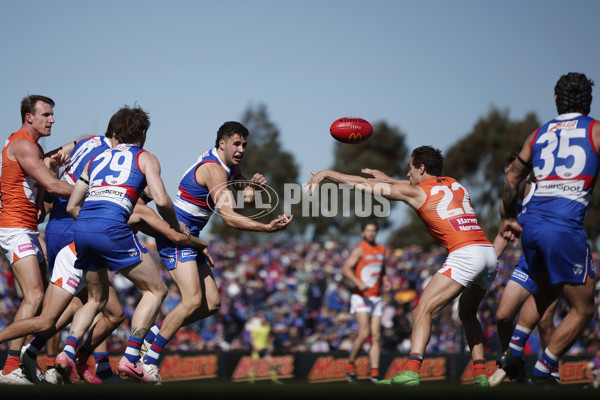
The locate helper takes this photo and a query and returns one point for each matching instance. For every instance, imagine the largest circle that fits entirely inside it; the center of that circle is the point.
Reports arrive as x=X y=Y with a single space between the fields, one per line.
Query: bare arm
x=144 y=214
x=214 y=179
x=500 y=244
x=62 y=155
x=379 y=175
x=400 y=190
x=596 y=136
x=153 y=224
x=517 y=173
x=27 y=155
x=350 y=265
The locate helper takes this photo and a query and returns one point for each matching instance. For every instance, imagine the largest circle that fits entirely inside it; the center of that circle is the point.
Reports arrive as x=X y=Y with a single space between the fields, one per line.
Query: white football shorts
x=64 y=274
x=372 y=305
x=17 y=243
x=474 y=264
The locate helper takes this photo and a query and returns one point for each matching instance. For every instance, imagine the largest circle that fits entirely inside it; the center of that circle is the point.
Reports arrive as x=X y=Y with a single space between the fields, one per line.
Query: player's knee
x=115 y=317
x=503 y=317
x=424 y=311
x=161 y=291
x=100 y=304
x=589 y=311
x=363 y=335
x=45 y=324
x=192 y=303
x=416 y=312
x=158 y=290
x=34 y=297
x=118 y=320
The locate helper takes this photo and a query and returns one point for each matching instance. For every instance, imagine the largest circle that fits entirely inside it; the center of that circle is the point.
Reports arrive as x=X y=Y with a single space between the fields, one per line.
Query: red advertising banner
x=325 y=367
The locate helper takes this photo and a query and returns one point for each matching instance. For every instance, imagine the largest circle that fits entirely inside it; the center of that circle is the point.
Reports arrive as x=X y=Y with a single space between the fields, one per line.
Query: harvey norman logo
x=465 y=224
x=327 y=200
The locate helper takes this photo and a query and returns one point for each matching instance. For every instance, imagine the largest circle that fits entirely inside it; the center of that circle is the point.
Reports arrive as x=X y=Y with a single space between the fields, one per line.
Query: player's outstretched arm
x=400 y=190
x=153 y=224
x=214 y=179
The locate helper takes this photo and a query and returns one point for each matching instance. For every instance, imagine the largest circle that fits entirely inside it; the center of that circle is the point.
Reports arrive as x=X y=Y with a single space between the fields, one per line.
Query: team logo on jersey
x=468 y=223
x=567 y=125
x=563 y=188
x=133 y=253
x=577 y=269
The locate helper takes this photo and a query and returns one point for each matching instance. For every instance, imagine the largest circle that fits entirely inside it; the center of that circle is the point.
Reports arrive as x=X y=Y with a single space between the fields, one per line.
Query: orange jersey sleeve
x=448 y=215
x=369 y=268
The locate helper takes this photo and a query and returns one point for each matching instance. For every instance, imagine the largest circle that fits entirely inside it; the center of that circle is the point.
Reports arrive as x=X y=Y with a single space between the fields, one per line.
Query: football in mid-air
x=351 y=130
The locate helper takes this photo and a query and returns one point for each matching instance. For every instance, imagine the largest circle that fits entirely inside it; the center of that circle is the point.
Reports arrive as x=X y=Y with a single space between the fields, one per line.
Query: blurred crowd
x=300 y=288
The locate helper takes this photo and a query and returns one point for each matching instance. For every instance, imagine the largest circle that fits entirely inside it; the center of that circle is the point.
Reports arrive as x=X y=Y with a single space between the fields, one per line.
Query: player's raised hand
x=312 y=183
x=57 y=160
x=280 y=222
x=258 y=181
x=377 y=175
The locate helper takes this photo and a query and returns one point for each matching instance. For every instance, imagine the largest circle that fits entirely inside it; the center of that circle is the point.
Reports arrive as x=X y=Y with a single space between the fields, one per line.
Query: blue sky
x=431 y=68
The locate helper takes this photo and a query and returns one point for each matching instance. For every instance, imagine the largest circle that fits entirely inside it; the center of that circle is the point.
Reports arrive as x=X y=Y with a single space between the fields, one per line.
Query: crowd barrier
x=317 y=368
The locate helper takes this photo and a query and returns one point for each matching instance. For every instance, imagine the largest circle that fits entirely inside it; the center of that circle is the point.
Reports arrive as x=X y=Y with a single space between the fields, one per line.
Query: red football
x=351 y=130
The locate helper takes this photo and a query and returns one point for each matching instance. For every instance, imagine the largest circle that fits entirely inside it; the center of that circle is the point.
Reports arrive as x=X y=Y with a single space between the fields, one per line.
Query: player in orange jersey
x=24 y=174
x=444 y=205
x=365 y=268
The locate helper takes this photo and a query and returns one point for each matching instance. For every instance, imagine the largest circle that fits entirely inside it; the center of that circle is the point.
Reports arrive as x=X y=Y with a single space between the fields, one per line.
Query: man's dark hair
x=430 y=157
x=368 y=221
x=129 y=124
x=110 y=130
x=573 y=93
x=28 y=104
x=229 y=129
